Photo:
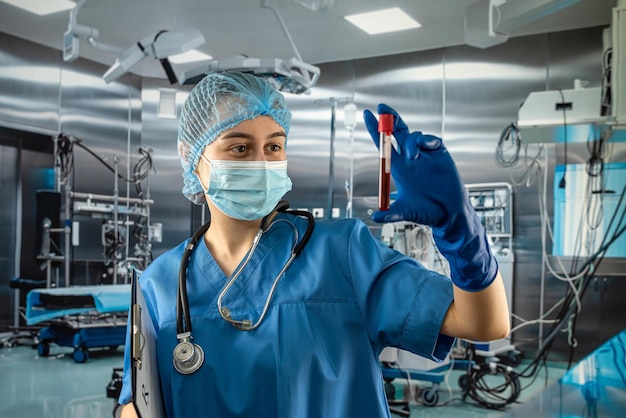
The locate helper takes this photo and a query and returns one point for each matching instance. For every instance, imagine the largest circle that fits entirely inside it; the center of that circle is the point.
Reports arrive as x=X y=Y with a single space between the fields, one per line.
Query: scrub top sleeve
x=421 y=334
x=403 y=304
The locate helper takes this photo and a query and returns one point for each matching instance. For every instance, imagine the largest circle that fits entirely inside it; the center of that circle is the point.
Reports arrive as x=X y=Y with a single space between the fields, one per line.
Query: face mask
x=247 y=190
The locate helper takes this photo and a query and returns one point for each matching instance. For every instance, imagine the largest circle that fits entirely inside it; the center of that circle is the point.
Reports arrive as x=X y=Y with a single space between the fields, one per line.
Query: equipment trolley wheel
x=429 y=396
x=514 y=358
x=390 y=390
x=80 y=355
x=464 y=382
x=7 y=344
x=43 y=349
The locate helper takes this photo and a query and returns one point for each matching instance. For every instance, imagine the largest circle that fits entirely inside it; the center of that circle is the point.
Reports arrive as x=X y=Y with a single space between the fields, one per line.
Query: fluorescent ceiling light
x=40 y=7
x=192 y=55
x=383 y=21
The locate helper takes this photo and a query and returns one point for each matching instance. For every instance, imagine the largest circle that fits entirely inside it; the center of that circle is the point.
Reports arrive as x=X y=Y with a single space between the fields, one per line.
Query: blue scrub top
x=344 y=298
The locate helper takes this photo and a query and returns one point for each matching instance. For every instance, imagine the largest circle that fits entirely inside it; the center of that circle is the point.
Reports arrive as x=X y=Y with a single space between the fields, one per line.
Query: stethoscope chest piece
x=188 y=357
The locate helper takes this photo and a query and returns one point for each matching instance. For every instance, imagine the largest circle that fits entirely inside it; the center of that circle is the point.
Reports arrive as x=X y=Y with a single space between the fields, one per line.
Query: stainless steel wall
x=171 y=208
x=44 y=96
x=8 y=213
x=467 y=95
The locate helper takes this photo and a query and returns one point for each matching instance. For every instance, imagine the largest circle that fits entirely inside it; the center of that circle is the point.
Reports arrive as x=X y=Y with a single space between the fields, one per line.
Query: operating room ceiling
x=242 y=27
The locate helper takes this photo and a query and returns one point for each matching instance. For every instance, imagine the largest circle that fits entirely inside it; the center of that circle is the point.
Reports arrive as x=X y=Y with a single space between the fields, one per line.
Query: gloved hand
x=430 y=192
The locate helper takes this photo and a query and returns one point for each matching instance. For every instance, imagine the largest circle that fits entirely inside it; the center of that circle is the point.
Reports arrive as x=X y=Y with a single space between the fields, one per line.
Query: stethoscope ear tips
x=188 y=357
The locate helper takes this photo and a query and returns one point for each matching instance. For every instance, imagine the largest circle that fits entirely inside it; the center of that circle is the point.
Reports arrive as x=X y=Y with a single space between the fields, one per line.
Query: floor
x=451 y=403
x=58 y=387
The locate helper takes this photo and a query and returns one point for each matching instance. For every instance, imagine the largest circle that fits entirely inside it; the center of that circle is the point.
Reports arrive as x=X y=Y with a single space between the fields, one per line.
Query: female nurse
x=303 y=339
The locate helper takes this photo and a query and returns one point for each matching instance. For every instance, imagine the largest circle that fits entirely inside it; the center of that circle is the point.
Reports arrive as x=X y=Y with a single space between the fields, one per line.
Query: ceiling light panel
x=383 y=21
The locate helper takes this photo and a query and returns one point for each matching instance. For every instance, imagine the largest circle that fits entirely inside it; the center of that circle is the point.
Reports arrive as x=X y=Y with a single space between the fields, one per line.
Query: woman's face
x=252 y=140
x=258 y=139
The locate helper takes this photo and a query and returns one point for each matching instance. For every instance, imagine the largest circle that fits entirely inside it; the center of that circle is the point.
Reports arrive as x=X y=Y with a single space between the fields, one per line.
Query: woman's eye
x=240 y=148
x=275 y=147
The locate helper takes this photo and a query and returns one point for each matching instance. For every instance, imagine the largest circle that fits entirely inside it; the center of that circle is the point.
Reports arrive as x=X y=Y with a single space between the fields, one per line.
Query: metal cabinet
x=493 y=203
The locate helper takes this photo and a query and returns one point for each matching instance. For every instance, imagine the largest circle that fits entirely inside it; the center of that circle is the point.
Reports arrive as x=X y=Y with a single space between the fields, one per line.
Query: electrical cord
x=141 y=171
x=569 y=308
x=562 y=182
x=510 y=134
x=104 y=163
x=575 y=292
x=65 y=151
x=113 y=243
x=64 y=156
x=419 y=240
x=606 y=105
x=478 y=385
x=546 y=228
x=533 y=377
x=563 y=318
x=597 y=258
x=532 y=169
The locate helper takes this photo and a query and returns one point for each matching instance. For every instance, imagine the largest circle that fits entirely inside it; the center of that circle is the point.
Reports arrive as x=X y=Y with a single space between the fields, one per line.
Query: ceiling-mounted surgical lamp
x=291 y=75
x=489 y=22
x=75 y=32
x=159 y=46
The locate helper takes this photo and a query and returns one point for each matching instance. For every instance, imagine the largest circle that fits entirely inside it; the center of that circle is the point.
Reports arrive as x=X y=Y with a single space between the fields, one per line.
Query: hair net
x=221 y=101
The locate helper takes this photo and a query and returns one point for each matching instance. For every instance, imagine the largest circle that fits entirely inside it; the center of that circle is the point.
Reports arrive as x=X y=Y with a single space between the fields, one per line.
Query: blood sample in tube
x=385 y=128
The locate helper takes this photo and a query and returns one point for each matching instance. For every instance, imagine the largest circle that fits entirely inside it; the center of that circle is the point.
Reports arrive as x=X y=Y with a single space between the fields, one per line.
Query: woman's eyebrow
x=245 y=135
x=236 y=134
x=278 y=134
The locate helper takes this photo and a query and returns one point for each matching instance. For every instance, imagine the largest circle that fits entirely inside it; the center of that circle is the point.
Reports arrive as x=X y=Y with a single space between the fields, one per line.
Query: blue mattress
x=46 y=304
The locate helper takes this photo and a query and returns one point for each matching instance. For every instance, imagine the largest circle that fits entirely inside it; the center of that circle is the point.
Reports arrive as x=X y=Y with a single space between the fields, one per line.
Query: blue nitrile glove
x=430 y=192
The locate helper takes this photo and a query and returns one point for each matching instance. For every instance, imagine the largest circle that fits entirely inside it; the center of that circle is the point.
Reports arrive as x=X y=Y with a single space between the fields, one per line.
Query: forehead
x=259 y=126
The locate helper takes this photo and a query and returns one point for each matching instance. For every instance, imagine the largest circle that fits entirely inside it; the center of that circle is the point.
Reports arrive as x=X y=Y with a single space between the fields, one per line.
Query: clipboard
x=146 y=386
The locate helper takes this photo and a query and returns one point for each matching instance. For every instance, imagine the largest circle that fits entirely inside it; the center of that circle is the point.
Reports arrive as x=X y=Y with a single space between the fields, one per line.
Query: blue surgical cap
x=221 y=101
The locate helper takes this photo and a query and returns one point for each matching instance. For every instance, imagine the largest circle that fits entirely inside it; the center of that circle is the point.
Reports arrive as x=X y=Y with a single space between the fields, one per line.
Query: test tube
x=385 y=128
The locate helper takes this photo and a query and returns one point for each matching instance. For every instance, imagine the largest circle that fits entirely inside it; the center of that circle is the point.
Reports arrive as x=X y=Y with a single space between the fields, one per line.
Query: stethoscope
x=189 y=356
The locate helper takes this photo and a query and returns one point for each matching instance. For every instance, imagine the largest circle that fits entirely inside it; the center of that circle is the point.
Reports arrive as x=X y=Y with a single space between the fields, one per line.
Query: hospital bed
x=82 y=317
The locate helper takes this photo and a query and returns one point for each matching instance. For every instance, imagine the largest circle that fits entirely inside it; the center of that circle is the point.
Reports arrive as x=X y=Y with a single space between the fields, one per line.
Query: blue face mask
x=247 y=190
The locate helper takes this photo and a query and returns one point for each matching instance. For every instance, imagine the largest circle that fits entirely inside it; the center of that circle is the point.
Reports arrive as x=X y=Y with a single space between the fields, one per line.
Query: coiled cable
x=510 y=134
x=490 y=384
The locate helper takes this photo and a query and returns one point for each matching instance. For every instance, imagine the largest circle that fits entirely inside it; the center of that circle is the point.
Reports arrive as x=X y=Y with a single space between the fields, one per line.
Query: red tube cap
x=385 y=123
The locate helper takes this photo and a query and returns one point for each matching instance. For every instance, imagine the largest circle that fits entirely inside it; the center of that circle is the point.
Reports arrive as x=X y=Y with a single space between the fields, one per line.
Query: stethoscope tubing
x=183 y=316
x=182 y=302
x=245 y=324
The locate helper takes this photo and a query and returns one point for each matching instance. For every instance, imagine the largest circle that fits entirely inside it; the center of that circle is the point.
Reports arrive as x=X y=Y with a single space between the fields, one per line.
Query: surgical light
x=290 y=75
x=190 y=56
x=159 y=46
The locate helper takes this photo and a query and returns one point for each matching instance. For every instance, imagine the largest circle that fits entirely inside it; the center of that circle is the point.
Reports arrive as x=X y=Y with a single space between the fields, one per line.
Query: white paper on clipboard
x=144 y=369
